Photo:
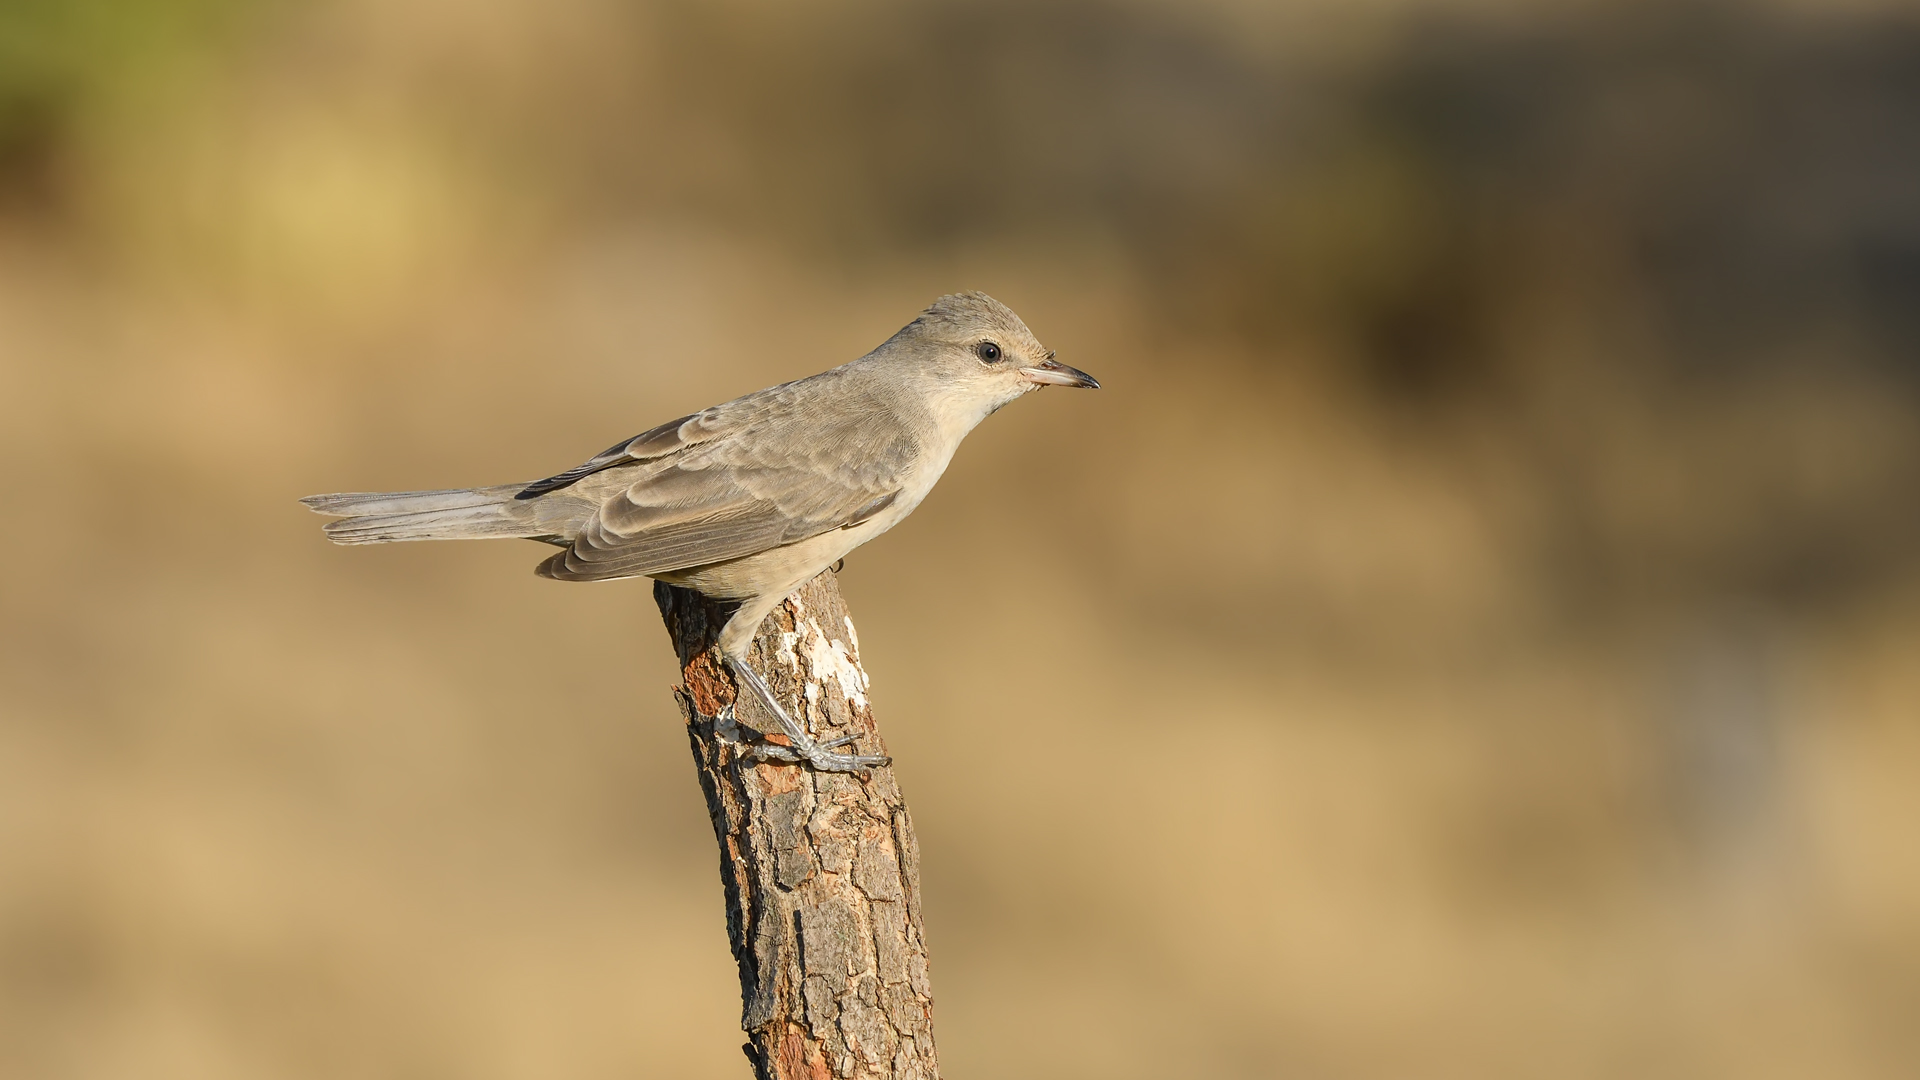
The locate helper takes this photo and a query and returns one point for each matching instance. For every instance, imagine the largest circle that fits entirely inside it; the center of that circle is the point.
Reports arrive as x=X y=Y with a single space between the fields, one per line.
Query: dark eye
x=987 y=351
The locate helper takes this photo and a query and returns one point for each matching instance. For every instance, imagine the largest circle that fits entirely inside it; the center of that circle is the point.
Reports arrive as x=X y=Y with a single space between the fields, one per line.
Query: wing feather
x=654 y=442
x=738 y=479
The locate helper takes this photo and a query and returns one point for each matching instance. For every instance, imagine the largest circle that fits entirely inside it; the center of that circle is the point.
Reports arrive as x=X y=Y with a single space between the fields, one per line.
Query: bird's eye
x=987 y=351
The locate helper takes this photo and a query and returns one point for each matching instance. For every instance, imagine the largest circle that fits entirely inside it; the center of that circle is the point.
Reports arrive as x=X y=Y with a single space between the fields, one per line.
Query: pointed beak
x=1051 y=372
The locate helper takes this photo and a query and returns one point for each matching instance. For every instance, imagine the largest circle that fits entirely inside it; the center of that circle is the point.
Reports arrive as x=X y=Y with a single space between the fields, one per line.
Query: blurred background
x=1476 y=633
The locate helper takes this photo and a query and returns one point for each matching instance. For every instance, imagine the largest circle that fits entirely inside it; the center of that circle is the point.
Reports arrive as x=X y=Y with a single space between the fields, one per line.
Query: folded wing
x=736 y=480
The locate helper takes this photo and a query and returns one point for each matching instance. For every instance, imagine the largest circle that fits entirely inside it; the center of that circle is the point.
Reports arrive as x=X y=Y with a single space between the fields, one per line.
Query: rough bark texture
x=821 y=870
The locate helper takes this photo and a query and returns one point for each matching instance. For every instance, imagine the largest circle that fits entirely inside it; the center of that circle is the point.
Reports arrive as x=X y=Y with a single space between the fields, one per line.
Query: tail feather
x=379 y=517
x=375 y=503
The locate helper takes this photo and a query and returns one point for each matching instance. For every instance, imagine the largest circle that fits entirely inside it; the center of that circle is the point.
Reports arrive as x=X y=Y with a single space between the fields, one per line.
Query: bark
x=821 y=870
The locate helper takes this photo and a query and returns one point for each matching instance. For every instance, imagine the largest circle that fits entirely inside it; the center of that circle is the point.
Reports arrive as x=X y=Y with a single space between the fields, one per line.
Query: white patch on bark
x=831 y=658
x=785 y=653
x=866 y=680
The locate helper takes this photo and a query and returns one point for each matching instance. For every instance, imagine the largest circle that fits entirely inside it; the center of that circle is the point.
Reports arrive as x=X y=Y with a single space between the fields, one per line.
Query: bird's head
x=971 y=354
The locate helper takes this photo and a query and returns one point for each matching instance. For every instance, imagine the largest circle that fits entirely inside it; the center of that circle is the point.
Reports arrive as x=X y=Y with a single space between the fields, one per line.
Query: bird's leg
x=818 y=754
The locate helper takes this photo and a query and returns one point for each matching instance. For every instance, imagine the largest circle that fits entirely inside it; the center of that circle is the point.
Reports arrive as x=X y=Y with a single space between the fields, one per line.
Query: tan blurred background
x=1476 y=633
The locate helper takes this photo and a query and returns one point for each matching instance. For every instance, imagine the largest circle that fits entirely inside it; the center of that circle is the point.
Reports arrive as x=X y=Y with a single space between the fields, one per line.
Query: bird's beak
x=1051 y=372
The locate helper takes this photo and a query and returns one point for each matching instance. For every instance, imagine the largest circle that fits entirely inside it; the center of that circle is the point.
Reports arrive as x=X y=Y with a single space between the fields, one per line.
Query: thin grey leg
x=804 y=748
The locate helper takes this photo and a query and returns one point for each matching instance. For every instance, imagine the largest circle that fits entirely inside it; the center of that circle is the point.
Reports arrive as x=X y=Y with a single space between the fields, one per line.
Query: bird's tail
x=376 y=517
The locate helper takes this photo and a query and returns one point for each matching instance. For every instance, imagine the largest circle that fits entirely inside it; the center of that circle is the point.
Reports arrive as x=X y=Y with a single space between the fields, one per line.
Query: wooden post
x=821 y=870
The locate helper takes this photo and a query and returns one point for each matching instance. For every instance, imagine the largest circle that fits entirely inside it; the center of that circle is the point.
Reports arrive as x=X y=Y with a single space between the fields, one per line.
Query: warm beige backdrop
x=1475 y=634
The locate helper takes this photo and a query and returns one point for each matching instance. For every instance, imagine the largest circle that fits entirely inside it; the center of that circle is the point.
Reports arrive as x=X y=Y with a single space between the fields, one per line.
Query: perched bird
x=747 y=501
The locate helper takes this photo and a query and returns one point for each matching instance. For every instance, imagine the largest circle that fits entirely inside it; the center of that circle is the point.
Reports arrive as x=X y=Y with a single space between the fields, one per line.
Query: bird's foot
x=820 y=755
x=800 y=746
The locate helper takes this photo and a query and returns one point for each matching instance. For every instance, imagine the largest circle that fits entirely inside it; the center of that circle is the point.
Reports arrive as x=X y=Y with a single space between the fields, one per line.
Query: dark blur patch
x=1485 y=224
x=1889 y=277
x=67 y=63
x=29 y=150
x=1715 y=166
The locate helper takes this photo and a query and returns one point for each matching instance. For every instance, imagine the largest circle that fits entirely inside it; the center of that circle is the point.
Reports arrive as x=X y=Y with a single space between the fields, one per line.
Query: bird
x=750 y=499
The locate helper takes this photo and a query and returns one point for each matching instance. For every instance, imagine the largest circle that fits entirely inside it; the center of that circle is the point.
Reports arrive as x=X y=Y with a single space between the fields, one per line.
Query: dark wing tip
x=541 y=487
x=574 y=475
x=649 y=443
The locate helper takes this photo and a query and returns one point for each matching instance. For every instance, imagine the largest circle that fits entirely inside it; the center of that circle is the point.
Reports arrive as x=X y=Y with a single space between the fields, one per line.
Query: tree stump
x=821 y=870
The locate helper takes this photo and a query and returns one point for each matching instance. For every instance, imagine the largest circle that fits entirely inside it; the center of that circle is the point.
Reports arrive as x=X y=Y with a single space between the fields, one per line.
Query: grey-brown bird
x=747 y=501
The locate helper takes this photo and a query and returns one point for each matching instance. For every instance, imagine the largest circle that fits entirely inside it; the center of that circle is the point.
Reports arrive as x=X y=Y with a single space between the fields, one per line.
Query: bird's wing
x=743 y=478
x=691 y=430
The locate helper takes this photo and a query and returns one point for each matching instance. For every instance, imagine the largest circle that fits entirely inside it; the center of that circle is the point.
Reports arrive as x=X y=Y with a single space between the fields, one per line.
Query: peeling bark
x=821 y=870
